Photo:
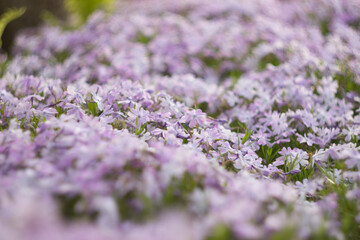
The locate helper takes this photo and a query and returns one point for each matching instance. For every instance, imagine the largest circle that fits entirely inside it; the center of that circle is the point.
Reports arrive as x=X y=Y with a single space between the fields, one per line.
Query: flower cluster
x=185 y=120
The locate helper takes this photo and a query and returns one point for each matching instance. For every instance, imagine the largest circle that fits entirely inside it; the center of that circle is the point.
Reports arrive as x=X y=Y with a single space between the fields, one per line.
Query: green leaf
x=248 y=134
x=50 y=18
x=269 y=154
x=346 y=208
x=82 y=9
x=238 y=127
x=270 y=58
x=221 y=232
x=9 y=16
x=229 y=165
x=93 y=108
x=284 y=234
x=144 y=39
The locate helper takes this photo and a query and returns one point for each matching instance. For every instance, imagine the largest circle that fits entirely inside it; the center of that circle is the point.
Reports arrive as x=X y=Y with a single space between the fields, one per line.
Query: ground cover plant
x=185 y=120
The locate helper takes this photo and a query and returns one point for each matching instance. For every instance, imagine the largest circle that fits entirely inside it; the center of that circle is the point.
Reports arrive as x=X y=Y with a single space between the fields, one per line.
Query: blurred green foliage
x=9 y=16
x=82 y=9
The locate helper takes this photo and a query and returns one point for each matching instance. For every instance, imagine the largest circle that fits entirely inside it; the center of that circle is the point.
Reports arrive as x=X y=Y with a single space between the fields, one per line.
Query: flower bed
x=188 y=120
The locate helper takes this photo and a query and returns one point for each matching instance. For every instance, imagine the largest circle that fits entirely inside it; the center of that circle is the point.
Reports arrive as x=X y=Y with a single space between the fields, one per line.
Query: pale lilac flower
x=138 y=115
x=194 y=118
x=352 y=158
x=352 y=131
x=295 y=157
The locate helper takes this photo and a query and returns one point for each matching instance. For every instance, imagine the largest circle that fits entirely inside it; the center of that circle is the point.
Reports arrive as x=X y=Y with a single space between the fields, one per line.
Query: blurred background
x=67 y=13
x=32 y=17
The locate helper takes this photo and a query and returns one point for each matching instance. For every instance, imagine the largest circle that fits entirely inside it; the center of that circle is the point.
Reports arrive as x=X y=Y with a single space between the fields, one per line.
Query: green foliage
x=34 y=120
x=270 y=58
x=305 y=171
x=5 y=19
x=348 y=211
x=68 y=207
x=268 y=154
x=347 y=208
x=30 y=124
x=50 y=18
x=60 y=111
x=138 y=207
x=3 y=63
x=3 y=109
x=229 y=166
x=119 y=124
x=238 y=127
x=289 y=165
x=62 y=56
x=134 y=206
x=355 y=23
x=144 y=39
x=140 y=130
x=285 y=234
x=82 y=9
x=204 y=106
x=284 y=108
x=5 y=121
x=347 y=81
x=9 y=16
x=92 y=108
x=235 y=76
x=248 y=134
x=212 y=62
x=221 y=232
x=179 y=189
x=325 y=27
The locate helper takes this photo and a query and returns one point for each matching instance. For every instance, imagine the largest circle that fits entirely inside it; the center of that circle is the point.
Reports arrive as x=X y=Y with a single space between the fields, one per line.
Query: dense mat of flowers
x=185 y=120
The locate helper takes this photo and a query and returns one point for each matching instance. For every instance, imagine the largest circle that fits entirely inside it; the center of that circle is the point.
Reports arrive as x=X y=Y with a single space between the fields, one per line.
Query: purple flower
x=292 y=158
x=352 y=156
x=194 y=118
x=139 y=115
